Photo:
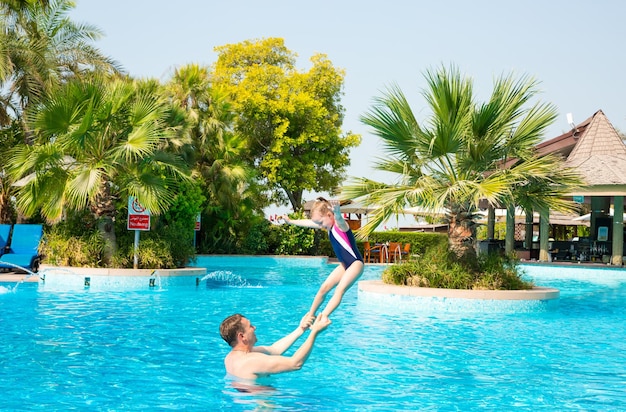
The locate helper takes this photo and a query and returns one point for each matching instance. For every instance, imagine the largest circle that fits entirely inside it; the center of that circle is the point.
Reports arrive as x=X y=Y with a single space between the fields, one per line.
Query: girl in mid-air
x=327 y=215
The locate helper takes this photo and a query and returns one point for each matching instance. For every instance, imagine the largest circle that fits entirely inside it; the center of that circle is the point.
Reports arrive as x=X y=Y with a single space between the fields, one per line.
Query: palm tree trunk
x=107 y=231
x=461 y=241
x=103 y=208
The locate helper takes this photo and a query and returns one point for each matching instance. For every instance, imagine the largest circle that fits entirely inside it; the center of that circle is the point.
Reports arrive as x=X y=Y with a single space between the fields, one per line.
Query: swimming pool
x=159 y=348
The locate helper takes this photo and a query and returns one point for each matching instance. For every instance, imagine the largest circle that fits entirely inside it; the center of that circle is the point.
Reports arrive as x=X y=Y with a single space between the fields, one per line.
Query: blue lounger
x=5 y=231
x=24 y=248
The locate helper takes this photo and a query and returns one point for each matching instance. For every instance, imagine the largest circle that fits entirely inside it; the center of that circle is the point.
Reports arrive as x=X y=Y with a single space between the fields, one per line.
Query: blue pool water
x=79 y=348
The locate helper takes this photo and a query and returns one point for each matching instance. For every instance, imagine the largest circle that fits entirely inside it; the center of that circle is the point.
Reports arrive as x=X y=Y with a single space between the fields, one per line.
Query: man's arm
x=280 y=346
x=261 y=364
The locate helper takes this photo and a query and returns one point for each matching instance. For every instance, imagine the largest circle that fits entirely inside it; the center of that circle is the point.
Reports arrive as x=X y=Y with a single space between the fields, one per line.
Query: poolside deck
x=17 y=277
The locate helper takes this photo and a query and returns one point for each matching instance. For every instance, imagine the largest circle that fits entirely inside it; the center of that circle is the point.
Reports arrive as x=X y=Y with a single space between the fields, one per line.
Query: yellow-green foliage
x=152 y=254
x=79 y=251
x=291 y=119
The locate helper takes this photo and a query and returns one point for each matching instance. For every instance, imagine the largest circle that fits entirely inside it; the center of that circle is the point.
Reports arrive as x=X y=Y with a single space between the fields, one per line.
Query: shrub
x=500 y=273
x=164 y=246
x=295 y=240
x=259 y=238
x=420 y=241
x=439 y=268
x=152 y=253
x=73 y=242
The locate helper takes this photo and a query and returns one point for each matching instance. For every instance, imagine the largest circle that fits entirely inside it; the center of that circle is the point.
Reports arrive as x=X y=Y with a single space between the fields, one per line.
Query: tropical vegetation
x=463 y=152
x=95 y=141
x=78 y=137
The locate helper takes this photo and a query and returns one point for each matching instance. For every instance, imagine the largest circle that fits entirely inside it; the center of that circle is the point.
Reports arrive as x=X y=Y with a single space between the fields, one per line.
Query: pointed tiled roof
x=564 y=144
x=600 y=154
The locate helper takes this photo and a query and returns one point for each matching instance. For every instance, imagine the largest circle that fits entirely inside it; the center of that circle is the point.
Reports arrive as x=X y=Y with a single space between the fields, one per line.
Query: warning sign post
x=138 y=216
x=138 y=220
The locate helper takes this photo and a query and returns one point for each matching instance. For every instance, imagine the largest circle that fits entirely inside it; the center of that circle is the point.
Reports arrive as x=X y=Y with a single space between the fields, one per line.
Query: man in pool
x=246 y=361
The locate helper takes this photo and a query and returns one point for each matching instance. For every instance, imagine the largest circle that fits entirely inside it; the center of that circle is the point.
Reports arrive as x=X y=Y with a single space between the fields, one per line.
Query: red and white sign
x=197 y=228
x=138 y=216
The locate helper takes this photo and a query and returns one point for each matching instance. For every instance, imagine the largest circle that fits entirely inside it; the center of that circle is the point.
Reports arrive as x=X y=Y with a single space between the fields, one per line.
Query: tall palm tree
x=96 y=141
x=464 y=152
x=40 y=47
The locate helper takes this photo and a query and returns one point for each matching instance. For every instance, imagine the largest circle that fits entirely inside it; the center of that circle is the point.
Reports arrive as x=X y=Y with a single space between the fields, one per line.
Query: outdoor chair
x=23 y=251
x=395 y=252
x=406 y=251
x=375 y=253
x=5 y=231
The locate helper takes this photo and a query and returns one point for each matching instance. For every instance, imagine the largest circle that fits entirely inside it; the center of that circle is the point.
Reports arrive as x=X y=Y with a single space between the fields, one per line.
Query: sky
x=575 y=49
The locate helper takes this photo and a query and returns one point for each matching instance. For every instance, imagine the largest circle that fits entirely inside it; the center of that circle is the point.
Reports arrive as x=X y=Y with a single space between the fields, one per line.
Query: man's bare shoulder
x=243 y=364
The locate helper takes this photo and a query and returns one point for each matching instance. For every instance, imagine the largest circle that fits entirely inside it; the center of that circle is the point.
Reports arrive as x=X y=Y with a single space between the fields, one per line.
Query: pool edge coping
x=536 y=293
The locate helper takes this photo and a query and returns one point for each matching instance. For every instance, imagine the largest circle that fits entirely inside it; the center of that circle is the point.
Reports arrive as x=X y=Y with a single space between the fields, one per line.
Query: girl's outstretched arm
x=301 y=222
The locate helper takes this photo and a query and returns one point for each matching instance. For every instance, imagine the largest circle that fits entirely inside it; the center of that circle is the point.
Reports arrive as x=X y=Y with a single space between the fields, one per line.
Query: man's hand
x=307 y=321
x=321 y=323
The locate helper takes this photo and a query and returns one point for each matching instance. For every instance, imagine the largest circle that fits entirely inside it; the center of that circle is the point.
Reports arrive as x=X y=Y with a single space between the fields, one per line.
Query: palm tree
x=219 y=155
x=97 y=141
x=40 y=48
x=464 y=152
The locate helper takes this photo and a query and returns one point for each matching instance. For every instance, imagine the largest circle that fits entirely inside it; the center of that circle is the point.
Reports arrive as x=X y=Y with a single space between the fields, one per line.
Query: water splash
x=29 y=274
x=221 y=278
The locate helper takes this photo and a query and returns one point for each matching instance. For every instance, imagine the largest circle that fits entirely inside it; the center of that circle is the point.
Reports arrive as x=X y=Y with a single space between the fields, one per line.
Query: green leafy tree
x=97 y=141
x=465 y=151
x=291 y=120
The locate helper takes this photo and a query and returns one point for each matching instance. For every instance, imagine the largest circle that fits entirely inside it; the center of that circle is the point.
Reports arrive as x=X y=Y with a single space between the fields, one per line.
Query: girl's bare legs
x=331 y=281
x=349 y=277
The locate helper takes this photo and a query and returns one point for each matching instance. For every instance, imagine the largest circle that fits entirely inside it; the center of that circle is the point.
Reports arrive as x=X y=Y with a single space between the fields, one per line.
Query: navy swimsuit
x=344 y=245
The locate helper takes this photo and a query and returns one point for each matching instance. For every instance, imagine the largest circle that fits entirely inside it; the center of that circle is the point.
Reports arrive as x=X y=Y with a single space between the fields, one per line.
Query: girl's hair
x=230 y=327
x=322 y=206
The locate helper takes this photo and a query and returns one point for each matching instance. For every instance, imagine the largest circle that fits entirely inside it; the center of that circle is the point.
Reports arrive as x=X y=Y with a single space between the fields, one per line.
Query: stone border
x=189 y=271
x=18 y=277
x=536 y=293
x=11 y=277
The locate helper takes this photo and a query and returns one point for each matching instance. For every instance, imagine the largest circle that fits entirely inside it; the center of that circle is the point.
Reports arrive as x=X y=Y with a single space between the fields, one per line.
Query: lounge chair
x=5 y=231
x=24 y=248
